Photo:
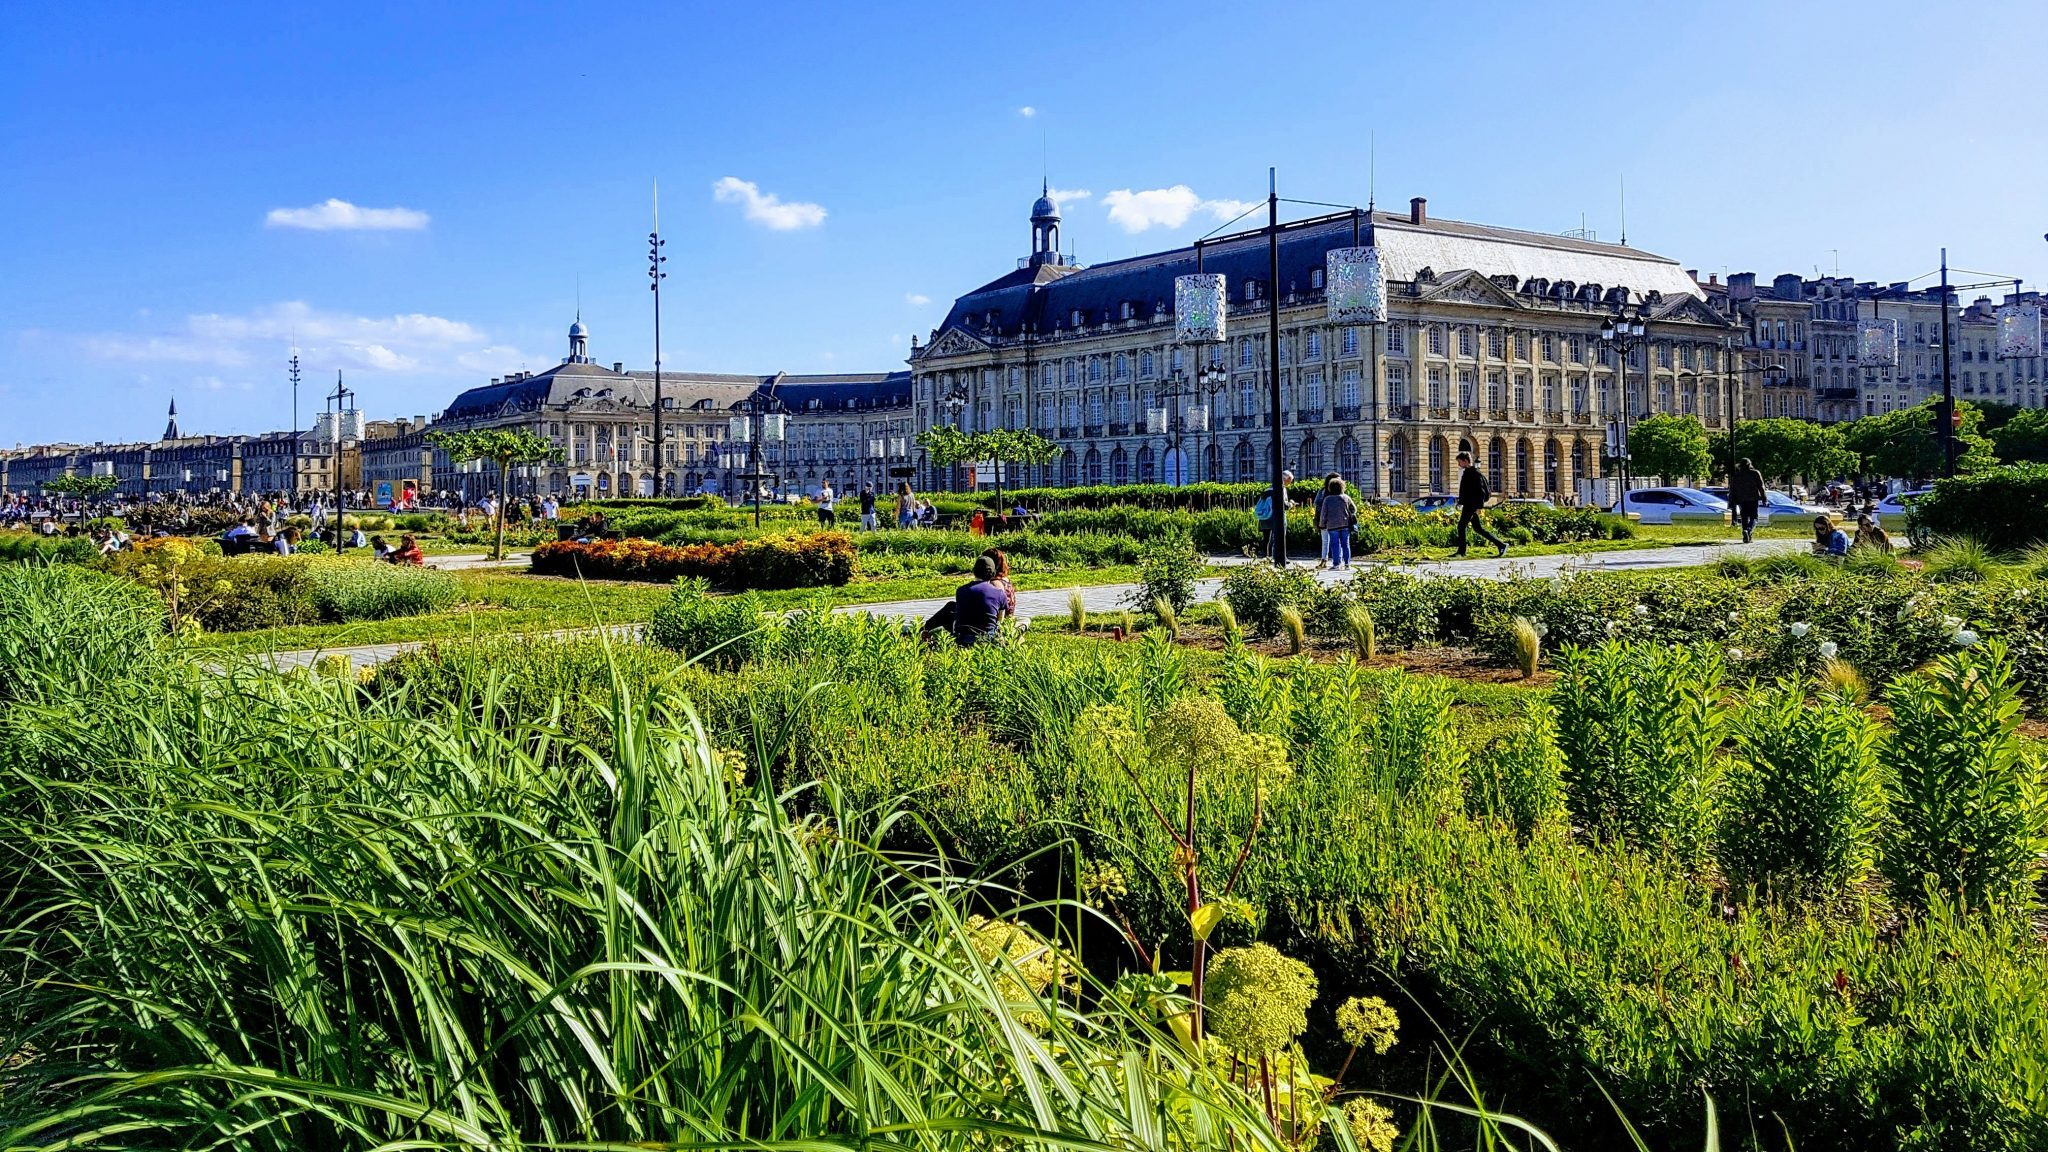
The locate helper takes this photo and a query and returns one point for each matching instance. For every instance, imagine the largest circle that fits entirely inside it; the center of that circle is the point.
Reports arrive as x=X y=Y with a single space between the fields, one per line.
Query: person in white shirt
x=826 y=500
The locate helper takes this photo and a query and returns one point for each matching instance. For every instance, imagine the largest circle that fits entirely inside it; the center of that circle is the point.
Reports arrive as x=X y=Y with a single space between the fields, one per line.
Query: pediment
x=1688 y=309
x=1471 y=287
x=954 y=342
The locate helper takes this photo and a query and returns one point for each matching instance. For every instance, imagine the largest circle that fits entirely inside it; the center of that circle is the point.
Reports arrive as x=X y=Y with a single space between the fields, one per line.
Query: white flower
x=1023 y=624
x=1735 y=654
x=1798 y=630
x=1642 y=609
x=1610 y=627
x=1964 y=638
x=1542 y=629
x=1828 y=649
x=1735 y=617
x=1952 y=622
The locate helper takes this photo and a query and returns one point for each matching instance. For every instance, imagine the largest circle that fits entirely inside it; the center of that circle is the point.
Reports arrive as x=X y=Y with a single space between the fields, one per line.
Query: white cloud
x=1027 y=111
x=916 y=298
x=1164 y=207
x=766 y=208
x=1068 y=195
x=410 y=342
x=342 y=216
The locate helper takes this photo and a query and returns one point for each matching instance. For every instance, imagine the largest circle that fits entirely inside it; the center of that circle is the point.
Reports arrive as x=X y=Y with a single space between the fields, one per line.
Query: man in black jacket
x=1746 y=493
x=1472 y=496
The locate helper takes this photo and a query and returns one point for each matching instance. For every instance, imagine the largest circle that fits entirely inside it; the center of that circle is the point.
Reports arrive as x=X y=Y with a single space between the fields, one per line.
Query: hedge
x=2003 y=508
x=823 y=558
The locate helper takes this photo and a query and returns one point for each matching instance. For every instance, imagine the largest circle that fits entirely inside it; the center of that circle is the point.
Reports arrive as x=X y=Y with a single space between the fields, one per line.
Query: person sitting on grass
x=979 y=606
x=1871 y=534
x=1829 y=540
x=408 y=552
x=379 y=548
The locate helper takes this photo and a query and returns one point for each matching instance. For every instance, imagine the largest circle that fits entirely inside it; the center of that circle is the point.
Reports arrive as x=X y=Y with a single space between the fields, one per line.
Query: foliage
x=724 y=631
x=1968 y=819
x=81 y=487
x=33 y=548
x=506 y=448
x=947 y=445
x=1785 y=449
x=1291 y=626
x=347 y=590
x=1527 y=637
x=2003 y=508
x=1639 y=727
x=816 y=560
x=1077 y=611
x=62 y=627
x=1358 y=623
x=2023 y=438
x=1257 y=592
x=1519 y=777
x=1258 y=999
x=1672 y=447
x=1903 y=443
x=1803 y=797
x=1168 y=571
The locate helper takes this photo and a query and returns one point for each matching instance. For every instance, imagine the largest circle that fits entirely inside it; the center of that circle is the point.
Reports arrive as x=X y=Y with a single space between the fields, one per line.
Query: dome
x=1045 y=209
x=577 y=329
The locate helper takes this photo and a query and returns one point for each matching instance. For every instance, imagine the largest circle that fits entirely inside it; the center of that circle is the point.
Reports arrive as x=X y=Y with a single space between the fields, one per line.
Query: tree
x=1669 y=447
x=947 y=445
x=505 y=447
x=1903 y=444
x=1783 y=448
x=2023 y=437
x=86 y=488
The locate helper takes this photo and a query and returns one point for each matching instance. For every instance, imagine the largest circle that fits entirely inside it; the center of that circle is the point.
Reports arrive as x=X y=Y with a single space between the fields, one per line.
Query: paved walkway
x=1105 y=598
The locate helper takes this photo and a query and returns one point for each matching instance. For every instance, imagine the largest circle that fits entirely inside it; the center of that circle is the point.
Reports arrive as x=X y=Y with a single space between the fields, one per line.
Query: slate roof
x=565 y=383
x=1046 y=297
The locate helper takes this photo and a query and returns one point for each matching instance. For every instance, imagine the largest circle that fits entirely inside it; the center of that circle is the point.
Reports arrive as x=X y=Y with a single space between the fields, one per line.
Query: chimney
x=619 y=366
x=1692 y=274
x=1713 y=277
x=1418 y=211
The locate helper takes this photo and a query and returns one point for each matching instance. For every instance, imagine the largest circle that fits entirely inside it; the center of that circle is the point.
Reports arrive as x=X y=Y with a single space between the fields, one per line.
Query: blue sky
x=169 y=173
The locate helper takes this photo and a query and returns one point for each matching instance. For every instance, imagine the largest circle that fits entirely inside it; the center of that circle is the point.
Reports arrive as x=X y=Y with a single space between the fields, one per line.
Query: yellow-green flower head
x=1256 y=999
x=1191 y=730
x=1105 y=727
x=1372 y=1124
x=1364 y=1020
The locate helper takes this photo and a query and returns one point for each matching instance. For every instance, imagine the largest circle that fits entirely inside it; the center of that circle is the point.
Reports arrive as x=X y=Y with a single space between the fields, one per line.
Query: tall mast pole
x=654 y=274
x=1947 y=415
x=1273 y=364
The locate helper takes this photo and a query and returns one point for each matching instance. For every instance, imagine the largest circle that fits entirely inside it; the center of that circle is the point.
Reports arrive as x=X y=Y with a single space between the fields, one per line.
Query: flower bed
x=824 y=558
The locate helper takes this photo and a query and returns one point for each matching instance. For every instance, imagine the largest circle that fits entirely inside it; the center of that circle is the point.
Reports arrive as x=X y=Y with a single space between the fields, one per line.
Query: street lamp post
x=1205 y=385
x=655 y=276
x=1624 y=334
x=1742 y=365
x=339 y=398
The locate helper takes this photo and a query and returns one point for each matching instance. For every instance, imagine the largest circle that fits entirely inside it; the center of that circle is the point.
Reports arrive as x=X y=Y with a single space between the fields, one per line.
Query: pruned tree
x=82 y=487
x=507 y=448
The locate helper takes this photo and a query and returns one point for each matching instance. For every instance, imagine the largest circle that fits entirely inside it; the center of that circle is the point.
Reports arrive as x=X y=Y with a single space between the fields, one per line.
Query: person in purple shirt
x=979 y=606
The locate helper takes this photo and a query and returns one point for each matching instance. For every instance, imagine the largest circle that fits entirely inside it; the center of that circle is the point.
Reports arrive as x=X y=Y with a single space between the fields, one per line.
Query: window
x=1094 y=369
x=1244 y=353
x=1799 y=329
x=1312 y=344
x=1577 y=346
x=1146 y=365
x=1016 y=378
x=1179 y=360
x=1350 y=343
x=1048 y=413
x=1496 y=391
x=1247 y=399
x=1436 y=388
x=1315 y=279
x=1496 y=343
x=1436 y=339
x=1521 y=345
x=1397 y=337
x=1436 y=464
x=1664 y=355
x=1397 y=384
x=1251 y=290
x=1095 y=408
x=1312 y=393
x=1347 y=389
x=1549 y=346
x=1578 y=393
x=1465 y=341
x=1045 y=376
x=1123 y=407
x=1468 y=389
x=1122 y=367
x=1072 y=374
x=1550 y=393
x=1685 y=356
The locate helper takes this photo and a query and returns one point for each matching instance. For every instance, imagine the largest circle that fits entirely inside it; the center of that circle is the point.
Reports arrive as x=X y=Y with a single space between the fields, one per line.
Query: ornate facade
x=1492 y=345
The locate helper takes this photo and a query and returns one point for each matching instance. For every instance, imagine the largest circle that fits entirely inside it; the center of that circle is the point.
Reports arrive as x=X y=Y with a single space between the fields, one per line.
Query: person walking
x=867 y=507
x=1746 y=493
x=827 y=501
x=1269 y=517
x=1336 y=514
x=1473 y=494
x=906 y=506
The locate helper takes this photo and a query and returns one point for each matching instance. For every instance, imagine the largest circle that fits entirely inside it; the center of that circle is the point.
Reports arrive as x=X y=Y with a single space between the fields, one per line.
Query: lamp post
x=339 y=399
x=1206 y=383
x=1624 y=334
x=655 y=276
x=757 y=408
x=955 y=403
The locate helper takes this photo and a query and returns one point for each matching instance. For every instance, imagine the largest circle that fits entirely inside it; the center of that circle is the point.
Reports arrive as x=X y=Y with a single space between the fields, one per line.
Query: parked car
x=1777 y=503
x=1895 y=504
x=1532 y=502
x=1672 y=505
x=1434 y=503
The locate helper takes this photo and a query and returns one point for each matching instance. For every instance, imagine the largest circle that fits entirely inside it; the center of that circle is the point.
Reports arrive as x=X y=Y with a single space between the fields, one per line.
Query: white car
x=1778 y=503
x=1673 y=505
x=1895 y=504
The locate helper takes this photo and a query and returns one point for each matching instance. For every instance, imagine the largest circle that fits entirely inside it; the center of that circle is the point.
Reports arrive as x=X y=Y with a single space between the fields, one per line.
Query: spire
x=171 y=429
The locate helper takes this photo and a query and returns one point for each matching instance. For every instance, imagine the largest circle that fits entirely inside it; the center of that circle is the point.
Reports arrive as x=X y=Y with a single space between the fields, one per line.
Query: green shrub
x=1967 y=816
x=1803 y=799
x=1639 y=725
x=2004 y=509
x=348 y=590
x=722 y=631
x=1519 y=777
x=1257 y=592
x=30 y=547
x=824 y=558
x=1168 y=571
x=63 y=628
x=1413 y=748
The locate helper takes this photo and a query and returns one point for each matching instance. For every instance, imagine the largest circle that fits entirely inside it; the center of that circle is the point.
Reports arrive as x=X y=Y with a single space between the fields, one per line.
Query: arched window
x=1397 y=463
x=1347 y=457
x=1579 y=460
x=1067 y=469
x=1145 y=464
x=1119 y=466
x=1550 y=460
x=1212 y=462
x=1436 y=463
x=1522 y=467
x=1496 y=465
x=1247 y=462
x=1311 y=459
x=1091 y=467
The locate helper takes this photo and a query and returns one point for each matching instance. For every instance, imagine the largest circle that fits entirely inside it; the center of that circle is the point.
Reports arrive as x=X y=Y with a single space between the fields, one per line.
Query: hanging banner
x=1877 y=344
x=1155 y=421
x=1356 y=286
x=2019 y=331
x=1198 y=308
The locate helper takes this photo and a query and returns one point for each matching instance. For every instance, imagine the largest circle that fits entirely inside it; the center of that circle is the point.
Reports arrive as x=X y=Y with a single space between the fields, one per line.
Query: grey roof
x=1046 y=297
x=566 y=384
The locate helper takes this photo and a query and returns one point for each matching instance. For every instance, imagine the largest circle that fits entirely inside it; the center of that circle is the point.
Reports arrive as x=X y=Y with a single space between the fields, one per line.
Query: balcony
x=1469 y=415
x=1091 y=431
x=1242 y=421
x=1119 y=429
x=1309 y=416
x=1346 y=412
x=1438 y=413
x=1070 y=432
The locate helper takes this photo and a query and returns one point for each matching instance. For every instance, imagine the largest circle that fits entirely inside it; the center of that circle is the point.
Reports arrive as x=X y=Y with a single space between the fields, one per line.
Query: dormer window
x=1130 y=310
x=1075 y=317
x=1315 y=279
x=1251 y=290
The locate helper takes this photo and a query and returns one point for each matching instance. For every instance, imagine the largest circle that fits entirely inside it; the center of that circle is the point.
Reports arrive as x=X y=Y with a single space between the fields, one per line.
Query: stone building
x=841 y=429
x=1492 y=345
